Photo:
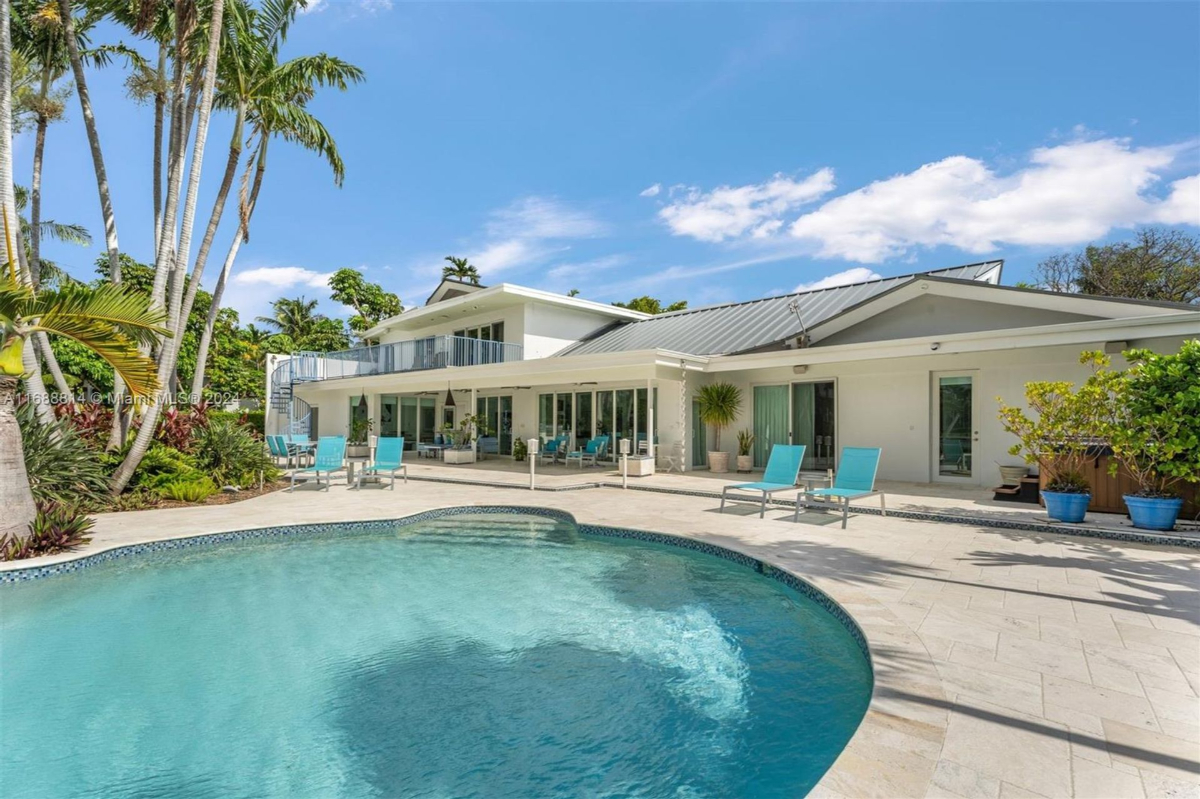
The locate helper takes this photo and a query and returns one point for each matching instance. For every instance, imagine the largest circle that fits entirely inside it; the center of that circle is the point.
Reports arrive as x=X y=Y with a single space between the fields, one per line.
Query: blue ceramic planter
x=1066 y=507
x=1153 y=513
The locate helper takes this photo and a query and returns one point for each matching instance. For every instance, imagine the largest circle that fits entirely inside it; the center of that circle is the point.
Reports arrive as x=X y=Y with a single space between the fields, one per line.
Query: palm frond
x=121 y=309
x=139 y=372
x=293 y=123
x=68 y=234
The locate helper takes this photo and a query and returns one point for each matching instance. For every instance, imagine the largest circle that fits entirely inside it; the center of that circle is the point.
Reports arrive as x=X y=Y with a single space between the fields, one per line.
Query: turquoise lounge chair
x=855 y=479
x=331 y=451
x=555 y=448
x=592 y=450
x=278 y=450
x=389 y=459
x=782 y=469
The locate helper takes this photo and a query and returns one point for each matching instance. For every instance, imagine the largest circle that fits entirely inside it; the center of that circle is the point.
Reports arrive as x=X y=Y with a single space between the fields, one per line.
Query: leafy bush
x=62 y=467
x=91 y=420
x=196 y=490
x=1155 y=432
x=256 y=421
x=175 y=428
x=1070 y=423
x=56 y=528
x=231 y=454
x=162 y=465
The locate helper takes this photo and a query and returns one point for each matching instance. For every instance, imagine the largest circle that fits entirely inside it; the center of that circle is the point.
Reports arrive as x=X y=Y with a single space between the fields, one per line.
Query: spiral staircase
x=295 y=414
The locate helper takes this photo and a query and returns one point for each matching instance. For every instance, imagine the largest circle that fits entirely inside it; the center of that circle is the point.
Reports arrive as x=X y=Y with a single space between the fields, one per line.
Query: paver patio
x=1007 y=664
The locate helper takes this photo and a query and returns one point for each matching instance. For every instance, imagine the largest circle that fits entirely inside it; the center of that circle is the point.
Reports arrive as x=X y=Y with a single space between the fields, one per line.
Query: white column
x=474 y=438
x=650 y=417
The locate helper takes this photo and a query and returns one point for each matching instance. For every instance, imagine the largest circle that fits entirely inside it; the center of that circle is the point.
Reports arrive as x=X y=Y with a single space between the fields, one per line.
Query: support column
x=650 y=446
x=474 y=438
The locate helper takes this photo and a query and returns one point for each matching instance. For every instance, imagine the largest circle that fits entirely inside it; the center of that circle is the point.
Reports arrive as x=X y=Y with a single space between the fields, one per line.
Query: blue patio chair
x=855 y=479
x=278 y=449
x=782 y=469
x=389 y=459
x=554 y=449
x=592 y=450
x=331 y=452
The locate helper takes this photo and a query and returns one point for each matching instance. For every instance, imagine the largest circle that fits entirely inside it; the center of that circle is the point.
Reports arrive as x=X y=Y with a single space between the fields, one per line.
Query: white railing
x=434 y=352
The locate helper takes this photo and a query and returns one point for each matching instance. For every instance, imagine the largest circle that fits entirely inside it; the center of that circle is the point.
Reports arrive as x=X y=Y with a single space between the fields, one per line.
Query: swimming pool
x=488 y=655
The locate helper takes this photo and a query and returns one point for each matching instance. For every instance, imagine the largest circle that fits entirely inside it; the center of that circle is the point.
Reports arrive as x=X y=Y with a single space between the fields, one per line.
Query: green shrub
x=162 y=465
x=257 y=420
x=196 y=490
x=57 y=528
x=230 y=453
x=62 y=467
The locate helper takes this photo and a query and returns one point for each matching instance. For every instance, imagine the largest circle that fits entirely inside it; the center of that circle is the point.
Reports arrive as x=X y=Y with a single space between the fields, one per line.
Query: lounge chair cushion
x=760 y=486
x=844 y=493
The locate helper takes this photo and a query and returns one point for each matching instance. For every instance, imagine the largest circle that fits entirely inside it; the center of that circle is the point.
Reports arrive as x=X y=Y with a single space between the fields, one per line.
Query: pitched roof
x=742 y=326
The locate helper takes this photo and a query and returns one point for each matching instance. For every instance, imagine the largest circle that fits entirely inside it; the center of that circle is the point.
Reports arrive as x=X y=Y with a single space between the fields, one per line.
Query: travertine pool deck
x=1007 y=663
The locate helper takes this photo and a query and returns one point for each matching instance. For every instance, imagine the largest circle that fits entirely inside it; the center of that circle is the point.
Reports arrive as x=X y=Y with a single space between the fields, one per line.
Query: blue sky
x=707 y=152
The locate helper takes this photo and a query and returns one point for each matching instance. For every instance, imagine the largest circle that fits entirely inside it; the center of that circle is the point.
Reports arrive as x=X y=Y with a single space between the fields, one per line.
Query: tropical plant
x=230 y=453
x=163 y=465
x=196 y=490
x=1155 y=423
x=55 y=528
x=175 y=428
x=460 y=269
x=272 y=98
x=745 y=442
x=719 y=405
x=520 y=450
x=1069 y=424
x=370 y=302
x=89 y=420
x=360 y=429
x=650 y=305
x=62 y=468
x=109 y=320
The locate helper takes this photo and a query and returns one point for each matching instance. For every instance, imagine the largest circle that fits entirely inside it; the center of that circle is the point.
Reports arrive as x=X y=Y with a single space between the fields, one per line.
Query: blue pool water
x=468 y=656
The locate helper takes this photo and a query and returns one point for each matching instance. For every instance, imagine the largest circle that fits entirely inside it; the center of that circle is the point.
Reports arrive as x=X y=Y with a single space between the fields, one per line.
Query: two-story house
x=913 y=364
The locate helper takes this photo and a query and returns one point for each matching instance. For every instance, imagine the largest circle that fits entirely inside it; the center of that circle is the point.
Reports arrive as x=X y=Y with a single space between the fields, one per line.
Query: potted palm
x=719 y=404
x=1155 y=431
x=1068 y=426
x=358 y=444
x=744 y=460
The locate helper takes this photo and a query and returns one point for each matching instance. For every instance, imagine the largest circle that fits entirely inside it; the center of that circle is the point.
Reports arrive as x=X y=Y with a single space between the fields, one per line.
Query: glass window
x=624 y=422
x=643 y=419
x=389 y=420
x=954 y=426
x=408 y=421
x=604 y=414
x=460 y=333
x=545 y=417
x=562 y=414
x=447 y=415
x=813 y=423
x=498 y=331
x=428 y=419
x=583 y=418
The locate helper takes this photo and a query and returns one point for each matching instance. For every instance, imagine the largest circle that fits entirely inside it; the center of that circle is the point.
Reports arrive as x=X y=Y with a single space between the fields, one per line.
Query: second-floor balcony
x=434 y=352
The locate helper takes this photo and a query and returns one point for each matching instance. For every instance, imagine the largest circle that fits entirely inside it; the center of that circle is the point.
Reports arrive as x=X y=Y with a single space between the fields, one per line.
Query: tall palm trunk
x=120 y=426
x=166 y=366
x=15 y=496
x=243 y=232
x=35 y=231
x=160 y=107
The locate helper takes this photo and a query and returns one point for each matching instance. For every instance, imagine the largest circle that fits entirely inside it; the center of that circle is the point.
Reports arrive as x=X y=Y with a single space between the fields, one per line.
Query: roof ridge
x=880 y=279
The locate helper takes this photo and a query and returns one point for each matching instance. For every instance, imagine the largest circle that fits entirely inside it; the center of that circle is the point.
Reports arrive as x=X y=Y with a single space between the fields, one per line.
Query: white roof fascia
x=505 y=290
x=1171 y=324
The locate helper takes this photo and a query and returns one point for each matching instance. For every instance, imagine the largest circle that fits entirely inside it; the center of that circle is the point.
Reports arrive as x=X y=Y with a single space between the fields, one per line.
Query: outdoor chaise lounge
x=593 y=450
x=782 y=469
x=278 y=449
x=855 y=479
x=389 y=459
x=331 y=451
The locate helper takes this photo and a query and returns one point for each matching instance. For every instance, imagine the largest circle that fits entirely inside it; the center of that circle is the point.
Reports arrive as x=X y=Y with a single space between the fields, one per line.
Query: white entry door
x=955 y=426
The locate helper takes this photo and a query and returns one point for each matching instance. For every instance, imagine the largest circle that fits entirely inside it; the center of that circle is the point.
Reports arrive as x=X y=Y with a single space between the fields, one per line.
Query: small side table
x=350 y=465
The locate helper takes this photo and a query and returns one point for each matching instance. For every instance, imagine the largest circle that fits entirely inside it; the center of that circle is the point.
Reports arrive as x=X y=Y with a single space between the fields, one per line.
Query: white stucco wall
x=548 y=328
x=889 y=402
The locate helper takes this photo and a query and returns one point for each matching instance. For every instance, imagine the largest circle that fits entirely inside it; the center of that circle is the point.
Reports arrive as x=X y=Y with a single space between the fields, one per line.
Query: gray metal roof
x=742 y=326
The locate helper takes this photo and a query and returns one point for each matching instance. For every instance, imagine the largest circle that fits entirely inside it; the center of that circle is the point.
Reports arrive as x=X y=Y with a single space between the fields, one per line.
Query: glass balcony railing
x=434 y=352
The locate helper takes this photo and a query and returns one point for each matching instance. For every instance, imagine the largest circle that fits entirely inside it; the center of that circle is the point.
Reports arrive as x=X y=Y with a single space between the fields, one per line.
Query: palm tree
x=271 y=97
x=460 y=269
x=110 y=320
x=294 y=318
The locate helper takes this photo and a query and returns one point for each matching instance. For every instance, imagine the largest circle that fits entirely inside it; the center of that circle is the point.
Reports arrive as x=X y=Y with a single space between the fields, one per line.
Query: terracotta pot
x=718 y=462
x=745 y=463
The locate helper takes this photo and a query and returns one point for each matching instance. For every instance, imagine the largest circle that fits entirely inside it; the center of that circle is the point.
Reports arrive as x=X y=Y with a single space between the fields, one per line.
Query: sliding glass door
x=770 y=421
x=813 y=423
x=583 y=418
x=495 y=427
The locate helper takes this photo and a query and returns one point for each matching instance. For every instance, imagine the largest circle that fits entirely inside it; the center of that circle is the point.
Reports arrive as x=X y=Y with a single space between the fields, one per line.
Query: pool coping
x=858 y=770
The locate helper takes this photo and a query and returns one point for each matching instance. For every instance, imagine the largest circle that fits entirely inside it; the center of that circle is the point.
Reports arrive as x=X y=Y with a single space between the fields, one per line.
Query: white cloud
x=856 y=274
x=282 y=277
x=1066 y=195
x=586 y=268
x=529 y=230
x=651 y=191
x=733 y=211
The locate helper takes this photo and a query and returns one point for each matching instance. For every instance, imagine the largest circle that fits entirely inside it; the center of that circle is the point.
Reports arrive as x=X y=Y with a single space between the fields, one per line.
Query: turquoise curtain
x=804 y=420
x=770 y=421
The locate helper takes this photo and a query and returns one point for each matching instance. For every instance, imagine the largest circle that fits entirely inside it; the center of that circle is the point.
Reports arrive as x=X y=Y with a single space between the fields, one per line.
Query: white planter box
x=641 y=467
x=459 y=456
